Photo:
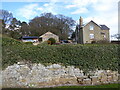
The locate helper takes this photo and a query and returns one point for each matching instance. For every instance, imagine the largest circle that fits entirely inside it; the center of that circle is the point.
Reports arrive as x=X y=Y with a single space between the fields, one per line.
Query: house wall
x=81 y=36
x=46 y=37
x=30 y=40
x=106 y=34
x=96 y=31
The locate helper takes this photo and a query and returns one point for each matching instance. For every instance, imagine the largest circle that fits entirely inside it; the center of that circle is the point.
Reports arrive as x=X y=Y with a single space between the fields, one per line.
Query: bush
x=85 y=57
x=57 y=43
x=28 y=42
x=93 y=42
x=102 y=42
x=51 y=41
x=44 y=43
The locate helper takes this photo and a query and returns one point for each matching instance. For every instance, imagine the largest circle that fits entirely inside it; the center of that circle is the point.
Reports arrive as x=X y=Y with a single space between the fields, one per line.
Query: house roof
x=47 y=33
x=30 y=37
x=104 y=27
x=92 y=22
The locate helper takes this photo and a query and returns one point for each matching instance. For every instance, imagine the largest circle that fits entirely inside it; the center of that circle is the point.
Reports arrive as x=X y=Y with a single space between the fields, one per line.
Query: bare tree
x=58 y=24
x=24 y=30
x=6 y=16
x=15 y=24
x=117 y=36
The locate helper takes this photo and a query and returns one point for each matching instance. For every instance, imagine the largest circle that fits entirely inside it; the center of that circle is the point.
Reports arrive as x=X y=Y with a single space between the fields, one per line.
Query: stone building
x=48 y=35
x=87 y=33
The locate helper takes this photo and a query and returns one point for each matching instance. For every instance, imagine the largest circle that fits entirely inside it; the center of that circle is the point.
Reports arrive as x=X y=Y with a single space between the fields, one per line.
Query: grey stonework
x=84 y=33
x=23 y=75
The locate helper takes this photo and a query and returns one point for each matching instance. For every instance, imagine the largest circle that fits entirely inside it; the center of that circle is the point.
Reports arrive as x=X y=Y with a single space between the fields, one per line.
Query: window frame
x=91 y=27
x=92 y=36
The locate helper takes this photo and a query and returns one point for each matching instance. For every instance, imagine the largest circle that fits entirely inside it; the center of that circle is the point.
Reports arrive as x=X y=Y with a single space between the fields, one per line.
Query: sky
x=100 y=11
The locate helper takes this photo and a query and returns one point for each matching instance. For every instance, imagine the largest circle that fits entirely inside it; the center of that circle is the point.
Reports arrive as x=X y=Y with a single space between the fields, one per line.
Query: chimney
x=81 y=21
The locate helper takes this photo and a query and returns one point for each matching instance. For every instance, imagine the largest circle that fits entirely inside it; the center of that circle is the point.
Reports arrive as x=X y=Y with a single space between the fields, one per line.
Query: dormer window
x=91 y=27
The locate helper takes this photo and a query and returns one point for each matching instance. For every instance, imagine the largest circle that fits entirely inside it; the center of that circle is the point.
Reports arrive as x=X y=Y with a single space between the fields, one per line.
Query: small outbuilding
x=48 y=35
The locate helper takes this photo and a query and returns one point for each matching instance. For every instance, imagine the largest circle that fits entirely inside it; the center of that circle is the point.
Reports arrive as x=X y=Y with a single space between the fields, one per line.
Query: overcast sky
x=100 y=11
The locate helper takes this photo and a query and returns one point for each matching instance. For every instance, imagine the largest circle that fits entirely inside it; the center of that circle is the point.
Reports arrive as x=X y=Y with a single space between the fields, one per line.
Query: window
x=91 y=36
x=91 y=27
x=102 y=33
x=104 y=36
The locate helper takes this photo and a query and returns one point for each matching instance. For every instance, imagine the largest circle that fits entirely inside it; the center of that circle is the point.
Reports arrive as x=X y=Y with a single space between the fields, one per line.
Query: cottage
x=48 y=35
x=30 y=38
x=87 y=33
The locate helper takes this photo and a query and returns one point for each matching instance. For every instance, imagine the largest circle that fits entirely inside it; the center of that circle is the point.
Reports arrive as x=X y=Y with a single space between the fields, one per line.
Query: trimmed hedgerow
x=85 y=57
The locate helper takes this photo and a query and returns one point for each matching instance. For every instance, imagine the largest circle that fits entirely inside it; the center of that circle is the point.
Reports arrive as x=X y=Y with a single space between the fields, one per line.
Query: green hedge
x=52 y=40
x=86 y=57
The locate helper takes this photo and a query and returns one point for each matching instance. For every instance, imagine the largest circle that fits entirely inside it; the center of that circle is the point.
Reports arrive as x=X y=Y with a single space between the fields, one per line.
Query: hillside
x=86 y=57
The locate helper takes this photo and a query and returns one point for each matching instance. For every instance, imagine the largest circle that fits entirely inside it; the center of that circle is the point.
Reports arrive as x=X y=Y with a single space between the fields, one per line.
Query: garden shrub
x=43 y=43
x=85 y=57
x=51 y=41
x=93 y=42
x=28 y=42
x=102 y=42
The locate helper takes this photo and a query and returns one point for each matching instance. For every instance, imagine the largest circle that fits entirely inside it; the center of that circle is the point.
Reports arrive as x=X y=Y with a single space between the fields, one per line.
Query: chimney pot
x=81 y=21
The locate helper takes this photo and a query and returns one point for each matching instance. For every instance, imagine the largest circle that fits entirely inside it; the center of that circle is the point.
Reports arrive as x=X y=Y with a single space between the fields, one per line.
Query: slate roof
x=30 y=37
x=104 y=27
x=92 y=22
x=47 y=33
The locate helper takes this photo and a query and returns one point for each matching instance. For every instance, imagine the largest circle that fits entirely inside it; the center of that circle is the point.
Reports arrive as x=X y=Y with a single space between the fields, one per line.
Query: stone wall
x=24 y=75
